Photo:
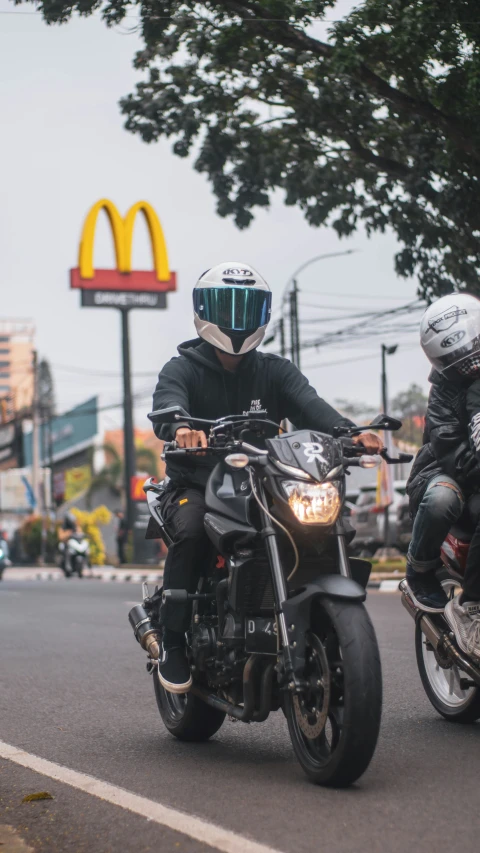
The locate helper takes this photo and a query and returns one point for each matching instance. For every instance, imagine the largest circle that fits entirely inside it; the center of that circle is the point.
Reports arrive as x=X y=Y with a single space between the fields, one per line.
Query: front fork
x=280 y=587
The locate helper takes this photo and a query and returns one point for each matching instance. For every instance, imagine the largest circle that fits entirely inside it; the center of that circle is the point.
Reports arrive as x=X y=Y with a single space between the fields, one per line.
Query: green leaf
x=377 y=126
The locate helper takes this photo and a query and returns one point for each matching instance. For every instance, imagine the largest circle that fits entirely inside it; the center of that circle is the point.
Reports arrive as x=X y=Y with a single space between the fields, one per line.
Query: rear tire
x=185 y=716
x=442 y=686
x=342 y=636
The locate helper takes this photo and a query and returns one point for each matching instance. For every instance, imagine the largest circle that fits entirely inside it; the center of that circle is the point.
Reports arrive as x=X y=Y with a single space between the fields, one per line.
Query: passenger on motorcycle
x=445 y=479
x=70 y=525
x=217 y=374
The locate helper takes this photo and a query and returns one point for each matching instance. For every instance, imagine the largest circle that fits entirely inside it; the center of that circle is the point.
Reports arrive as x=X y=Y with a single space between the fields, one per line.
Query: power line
x=354 y=295
x=328 y=337
x=310 y=320
x=329 y=307
x=105 y=373
x=246 y=20
x=354 y=358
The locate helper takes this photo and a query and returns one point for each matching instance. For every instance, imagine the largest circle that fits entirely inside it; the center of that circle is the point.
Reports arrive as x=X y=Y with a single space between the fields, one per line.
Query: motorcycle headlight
x=313 y=503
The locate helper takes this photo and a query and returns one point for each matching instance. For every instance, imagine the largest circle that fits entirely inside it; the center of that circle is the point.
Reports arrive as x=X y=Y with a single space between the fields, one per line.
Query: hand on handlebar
x=186 y=437
x=370 y=441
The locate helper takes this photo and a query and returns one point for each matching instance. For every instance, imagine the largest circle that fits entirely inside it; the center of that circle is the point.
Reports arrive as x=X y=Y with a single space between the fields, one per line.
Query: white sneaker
x=464 y=620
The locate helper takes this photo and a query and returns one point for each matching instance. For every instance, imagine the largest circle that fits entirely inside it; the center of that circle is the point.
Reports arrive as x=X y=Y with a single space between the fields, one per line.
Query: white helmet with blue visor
x=232 y=305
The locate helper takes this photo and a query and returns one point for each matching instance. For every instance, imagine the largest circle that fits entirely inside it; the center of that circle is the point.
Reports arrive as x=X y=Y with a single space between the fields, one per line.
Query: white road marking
x=196 y=828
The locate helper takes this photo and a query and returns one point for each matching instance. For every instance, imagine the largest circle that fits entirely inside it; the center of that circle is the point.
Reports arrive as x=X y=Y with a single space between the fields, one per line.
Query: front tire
x=185 y=716
x=442 y=685
x=334 y=731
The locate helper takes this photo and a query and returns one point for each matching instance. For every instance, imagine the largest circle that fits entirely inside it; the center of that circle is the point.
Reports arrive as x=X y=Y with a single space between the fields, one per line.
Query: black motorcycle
x=278 y=619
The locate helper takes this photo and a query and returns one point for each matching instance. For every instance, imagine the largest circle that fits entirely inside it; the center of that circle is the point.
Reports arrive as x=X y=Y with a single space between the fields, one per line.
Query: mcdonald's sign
x=158 y=280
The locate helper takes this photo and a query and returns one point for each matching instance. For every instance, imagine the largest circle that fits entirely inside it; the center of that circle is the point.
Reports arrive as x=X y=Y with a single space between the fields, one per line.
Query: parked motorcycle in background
x=75 y=554
x=278 y=620
x=4 y=560
x=450 y=677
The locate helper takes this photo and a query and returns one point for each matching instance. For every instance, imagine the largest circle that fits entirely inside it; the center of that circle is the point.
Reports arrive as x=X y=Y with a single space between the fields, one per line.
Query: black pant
x=121 y=551
x=471 y=580
x=183 y=510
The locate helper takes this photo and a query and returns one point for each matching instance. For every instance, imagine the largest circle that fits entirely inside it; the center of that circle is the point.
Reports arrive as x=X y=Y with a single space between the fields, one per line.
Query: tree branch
x=290 y=37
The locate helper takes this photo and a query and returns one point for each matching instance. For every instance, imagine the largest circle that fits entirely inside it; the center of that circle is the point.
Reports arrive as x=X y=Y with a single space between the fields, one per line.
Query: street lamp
x=302 y=267
x=290 y=294
x=386 y=350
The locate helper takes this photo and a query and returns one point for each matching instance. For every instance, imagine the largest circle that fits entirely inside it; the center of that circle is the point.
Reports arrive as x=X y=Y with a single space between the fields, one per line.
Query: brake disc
x=312 y=720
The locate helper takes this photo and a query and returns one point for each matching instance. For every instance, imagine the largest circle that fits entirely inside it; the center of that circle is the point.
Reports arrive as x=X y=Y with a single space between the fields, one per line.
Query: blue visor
x=237 y=309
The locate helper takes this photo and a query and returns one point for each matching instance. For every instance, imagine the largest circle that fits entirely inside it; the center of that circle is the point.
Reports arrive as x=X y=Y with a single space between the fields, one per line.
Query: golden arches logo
x=123 y=277
x=122 y=231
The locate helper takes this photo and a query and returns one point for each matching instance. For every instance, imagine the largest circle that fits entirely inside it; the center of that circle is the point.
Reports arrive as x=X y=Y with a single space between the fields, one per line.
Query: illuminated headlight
x=313 y=503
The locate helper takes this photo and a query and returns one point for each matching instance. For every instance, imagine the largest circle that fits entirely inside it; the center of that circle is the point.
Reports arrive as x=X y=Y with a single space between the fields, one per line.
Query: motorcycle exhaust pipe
x=428 y=627
x=145 y=633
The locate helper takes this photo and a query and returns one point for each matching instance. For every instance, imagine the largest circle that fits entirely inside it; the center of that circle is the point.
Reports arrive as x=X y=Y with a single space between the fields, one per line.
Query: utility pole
x=386 y=351
x=128 y=439
x=294 y=327
x=35 y=432
x=283 y=346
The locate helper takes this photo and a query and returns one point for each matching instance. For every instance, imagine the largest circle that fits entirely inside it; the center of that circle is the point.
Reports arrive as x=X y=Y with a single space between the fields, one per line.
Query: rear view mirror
x=169 y=416
x=386 y=422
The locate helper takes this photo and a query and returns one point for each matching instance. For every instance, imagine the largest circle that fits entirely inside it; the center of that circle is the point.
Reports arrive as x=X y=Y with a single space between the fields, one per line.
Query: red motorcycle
x=450 y=677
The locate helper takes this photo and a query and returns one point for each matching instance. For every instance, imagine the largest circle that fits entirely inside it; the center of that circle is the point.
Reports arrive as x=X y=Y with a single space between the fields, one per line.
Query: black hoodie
x=197 y=381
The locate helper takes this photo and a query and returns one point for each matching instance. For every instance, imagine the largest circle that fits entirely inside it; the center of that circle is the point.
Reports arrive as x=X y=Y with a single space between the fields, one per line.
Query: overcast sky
x=63 y=147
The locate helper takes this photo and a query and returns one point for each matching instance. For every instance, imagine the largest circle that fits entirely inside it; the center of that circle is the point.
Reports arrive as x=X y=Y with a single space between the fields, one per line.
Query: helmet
x=450 y=334
x=69 y=522
x=232 y=305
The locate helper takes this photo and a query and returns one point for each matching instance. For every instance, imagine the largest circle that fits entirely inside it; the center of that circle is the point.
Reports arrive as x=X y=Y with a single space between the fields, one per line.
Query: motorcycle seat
x=461 y=532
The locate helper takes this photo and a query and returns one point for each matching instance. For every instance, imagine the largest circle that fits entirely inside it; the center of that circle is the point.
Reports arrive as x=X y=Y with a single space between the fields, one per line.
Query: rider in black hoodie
x=199 y=382
x=218 y=374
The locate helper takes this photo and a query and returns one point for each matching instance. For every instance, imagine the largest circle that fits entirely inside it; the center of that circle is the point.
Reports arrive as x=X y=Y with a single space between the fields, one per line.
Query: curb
x=106 y=575
x=111 y=575
x=384 y=586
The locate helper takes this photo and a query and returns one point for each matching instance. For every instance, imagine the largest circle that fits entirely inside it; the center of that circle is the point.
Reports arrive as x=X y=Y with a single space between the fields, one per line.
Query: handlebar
x=353 y=453
x=393 y=460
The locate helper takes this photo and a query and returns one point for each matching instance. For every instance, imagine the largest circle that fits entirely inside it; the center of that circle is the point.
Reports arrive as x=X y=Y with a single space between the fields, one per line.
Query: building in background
x=16 y=367
x=67 y=444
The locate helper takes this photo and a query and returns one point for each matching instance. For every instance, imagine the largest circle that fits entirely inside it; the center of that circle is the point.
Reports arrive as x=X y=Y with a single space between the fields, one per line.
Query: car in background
x=404 y=524
x=368 y=519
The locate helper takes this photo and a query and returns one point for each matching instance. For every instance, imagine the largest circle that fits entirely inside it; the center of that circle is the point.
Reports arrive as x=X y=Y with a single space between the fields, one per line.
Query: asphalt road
x=73 y=690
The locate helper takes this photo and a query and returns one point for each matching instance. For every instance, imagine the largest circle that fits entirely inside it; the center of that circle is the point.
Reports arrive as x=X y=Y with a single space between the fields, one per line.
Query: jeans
x=441 y=506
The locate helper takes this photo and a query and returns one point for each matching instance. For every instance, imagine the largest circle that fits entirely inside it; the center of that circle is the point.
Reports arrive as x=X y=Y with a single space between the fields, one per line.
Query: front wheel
x=445 y=684
x=184 y=715
x=334 y=723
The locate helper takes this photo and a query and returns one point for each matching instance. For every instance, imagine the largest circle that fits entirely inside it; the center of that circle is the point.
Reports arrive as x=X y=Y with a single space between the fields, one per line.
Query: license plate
x=261 y=636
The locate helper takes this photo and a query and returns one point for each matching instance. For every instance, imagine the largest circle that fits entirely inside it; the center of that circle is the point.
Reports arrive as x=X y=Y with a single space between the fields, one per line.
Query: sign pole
x=35 y=435
x=128 y=439
x=124 y=288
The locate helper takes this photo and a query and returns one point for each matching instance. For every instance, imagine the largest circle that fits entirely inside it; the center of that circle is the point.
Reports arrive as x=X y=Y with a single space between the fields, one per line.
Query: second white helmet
x=450 y=334
x=232 y=305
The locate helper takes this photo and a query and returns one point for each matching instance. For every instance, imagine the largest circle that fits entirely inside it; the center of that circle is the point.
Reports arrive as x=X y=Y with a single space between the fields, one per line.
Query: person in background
x=122 y=536
x=445 y=480
x=70 y=525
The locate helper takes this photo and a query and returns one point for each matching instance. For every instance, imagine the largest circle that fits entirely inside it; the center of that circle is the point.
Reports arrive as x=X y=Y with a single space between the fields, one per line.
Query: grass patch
x=389 y=566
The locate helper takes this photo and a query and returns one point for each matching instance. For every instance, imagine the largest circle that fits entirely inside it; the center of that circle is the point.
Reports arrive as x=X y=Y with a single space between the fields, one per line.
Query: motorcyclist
x=221 y=373
x=445 y=478
x=69 y=526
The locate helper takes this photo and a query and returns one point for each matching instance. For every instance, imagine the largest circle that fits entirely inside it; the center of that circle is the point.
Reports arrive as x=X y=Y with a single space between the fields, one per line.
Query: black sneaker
x=174 y=671
x=427 y=591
